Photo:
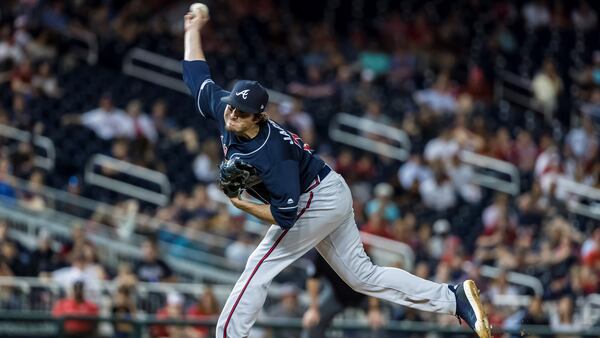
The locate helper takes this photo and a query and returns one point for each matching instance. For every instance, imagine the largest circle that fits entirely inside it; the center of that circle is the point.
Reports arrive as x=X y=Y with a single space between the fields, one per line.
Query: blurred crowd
x=427 y=68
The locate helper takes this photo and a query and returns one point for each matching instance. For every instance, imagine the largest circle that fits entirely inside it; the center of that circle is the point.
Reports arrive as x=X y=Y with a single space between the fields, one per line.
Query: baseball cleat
x=470 y=309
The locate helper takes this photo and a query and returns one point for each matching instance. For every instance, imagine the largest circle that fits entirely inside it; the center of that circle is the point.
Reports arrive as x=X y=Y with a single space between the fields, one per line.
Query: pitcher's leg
x=276 y=251
x=344 y=251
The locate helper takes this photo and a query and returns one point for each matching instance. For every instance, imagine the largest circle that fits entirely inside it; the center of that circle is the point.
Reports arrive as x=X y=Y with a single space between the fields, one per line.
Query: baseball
x=199 y=8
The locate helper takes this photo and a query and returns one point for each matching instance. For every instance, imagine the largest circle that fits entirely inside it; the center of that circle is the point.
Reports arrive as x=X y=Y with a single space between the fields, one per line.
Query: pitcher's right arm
x=196 y=73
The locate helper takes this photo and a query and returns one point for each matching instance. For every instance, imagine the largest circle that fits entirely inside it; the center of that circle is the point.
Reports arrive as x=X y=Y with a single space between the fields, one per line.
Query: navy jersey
x=284 y=163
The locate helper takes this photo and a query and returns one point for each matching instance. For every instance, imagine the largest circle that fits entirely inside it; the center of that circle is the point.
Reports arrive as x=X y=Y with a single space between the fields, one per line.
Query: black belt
x=320 y=176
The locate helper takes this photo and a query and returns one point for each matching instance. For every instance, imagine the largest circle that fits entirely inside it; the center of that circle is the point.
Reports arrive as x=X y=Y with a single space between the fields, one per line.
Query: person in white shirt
x=106 y=121
x=137 y=124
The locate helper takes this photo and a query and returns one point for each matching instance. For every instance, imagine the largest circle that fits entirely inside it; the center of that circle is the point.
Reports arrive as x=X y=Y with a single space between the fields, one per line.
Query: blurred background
x=468 y=132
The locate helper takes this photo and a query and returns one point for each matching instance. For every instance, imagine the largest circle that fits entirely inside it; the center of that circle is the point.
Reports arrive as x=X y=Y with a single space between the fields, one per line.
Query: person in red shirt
x=206 y=308
x=76 y=304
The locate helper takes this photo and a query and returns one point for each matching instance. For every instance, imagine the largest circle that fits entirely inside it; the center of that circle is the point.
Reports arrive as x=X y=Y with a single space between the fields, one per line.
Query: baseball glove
x=236 y=175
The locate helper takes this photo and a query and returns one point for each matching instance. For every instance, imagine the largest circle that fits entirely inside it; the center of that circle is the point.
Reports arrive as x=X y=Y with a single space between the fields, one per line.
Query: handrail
x=158 y=61
x=591 y=308
x=114 y=247
x=364 y=125
x=47 y=324
x=382 y=247
x=91 y=206
x=489 y=181
x=124 y=188
x=580 y=190
x=502 y=92
x=515 y=278
x=90 y=40
x=43 y=142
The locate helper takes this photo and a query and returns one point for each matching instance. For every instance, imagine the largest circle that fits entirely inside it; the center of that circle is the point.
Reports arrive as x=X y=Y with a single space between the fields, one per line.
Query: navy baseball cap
x=248 y=96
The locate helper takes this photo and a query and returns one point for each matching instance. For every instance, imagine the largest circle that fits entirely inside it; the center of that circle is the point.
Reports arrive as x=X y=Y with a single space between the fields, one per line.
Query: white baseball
x=199 y=8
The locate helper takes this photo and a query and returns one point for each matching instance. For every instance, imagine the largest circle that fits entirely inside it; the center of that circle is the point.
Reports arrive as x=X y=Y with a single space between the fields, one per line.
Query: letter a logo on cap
x=244 y=93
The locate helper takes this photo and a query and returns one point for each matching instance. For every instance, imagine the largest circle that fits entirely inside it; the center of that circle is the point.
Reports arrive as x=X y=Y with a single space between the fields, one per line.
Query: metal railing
x=91 y=177
x=575 y=192
x=516 y=278
x=111 y=250
x=387 y=252
x=491 y=166
x=39 y=141
x=516 y=90
x=88 y=44
x=19 y=323
x=395 y=144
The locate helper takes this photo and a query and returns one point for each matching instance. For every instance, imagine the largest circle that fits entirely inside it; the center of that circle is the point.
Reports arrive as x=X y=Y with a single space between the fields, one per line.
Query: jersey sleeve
x=207 y=94
x=283 y=183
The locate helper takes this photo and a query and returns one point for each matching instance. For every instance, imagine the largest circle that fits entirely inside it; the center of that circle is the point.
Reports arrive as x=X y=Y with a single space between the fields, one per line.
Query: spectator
x=75 y=304
x=152 y=268
x=7 y=192
x=206 y=164
x=437 y=192
x=123 y=307
x=583 y=141
x=43 y=259
x=45 y=83
x=439 y=97
x=237 y=253
x=536 y=14
x=565 y=318
x=207 y=307
x=79 y=270
x=325 y=305
x=413 y=172
x=442 y=147
x=106 y=121
x=137 y=124
x=383 y=204
x=584 y=17
x=173 y=310
x=547 y=85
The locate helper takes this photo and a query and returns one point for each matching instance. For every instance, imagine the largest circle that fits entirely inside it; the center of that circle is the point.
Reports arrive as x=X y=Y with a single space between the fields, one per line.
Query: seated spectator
x=123 y=307
x=79 y=270
x=288 y=307
x=546 y=86
x=45 y=83
x=75 y=304
x=383 y=203
x=584 y=17
x=152 y=268
x=583 y=141
x=237 y=253
x=437 y=192
x=8 y=194
x=106 y=121
x=535 y=314
x=207 y=307
x=138 y=125
x=21 y=79
x=439 y=97
x=442 y=147
x=565 y=319
x=206 y=164
x=413 y=172
x=590 y=251
x=43 y=259
x=173 y=310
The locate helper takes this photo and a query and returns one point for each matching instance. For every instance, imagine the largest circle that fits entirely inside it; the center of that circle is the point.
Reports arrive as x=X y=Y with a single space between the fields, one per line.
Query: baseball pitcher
x=307 y=202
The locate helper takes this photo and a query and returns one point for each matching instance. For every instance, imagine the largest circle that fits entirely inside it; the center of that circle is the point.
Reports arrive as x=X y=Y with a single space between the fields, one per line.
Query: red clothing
x=160 y=330
x=69 y=306
x=195 y=313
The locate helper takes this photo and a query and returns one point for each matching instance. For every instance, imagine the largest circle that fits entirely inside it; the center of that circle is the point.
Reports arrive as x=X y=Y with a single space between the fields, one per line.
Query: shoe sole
x=482 y=326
